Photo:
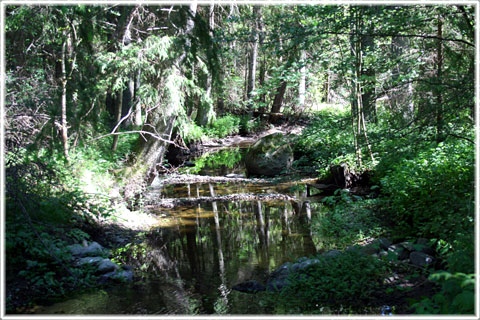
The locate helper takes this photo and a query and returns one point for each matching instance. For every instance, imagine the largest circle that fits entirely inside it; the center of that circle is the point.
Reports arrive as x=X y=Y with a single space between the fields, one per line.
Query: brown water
x=189 y=263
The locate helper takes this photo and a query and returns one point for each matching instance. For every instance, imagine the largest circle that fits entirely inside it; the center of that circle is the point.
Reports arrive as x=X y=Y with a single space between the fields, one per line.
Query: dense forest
x=239 y=159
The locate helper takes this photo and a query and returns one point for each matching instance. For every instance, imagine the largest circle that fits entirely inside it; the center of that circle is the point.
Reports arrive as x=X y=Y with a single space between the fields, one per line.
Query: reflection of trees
x=223 y=298
x=262 y=249
x=241 y=240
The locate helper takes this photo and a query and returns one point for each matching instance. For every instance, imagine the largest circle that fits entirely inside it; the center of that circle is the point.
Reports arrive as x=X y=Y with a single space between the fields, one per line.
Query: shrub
x=456 y=296
x=228 y=158
x=224 y=126
x=348 y=280
x=325 y=140
x=347 y=222
x=431 y=195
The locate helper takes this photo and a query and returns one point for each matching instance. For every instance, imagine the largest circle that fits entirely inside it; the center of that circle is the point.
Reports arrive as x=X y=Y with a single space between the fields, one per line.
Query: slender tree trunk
x=263 y=66
x=355 y=95
x=439 y=61
x=118 y=117
x=245 y=86
x=368 y=71
x=327 y=87
x=252 y=67
x=137 y=106
x=64 y=100
x=128 y=100
x=301 y=84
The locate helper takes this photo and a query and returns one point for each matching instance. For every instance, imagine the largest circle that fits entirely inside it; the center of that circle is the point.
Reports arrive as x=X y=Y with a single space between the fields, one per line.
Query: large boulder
x=269 y=156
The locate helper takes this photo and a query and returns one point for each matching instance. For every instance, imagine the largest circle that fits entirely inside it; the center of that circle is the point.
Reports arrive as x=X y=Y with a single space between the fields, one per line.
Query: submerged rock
x=269 y=156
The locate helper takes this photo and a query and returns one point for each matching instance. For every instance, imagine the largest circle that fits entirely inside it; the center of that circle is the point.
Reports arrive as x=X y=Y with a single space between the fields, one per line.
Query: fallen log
x=191 y=178
x=174 y=202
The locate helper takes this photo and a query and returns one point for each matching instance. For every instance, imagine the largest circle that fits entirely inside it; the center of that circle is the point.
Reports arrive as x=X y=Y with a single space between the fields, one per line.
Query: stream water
x=190 y=261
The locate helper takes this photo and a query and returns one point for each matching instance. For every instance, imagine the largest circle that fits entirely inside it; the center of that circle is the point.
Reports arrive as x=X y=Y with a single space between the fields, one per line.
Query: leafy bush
x=347 y=222
x=346 y=280
x=326 y=140
x=224 y=126
x=224 y=158
x=457 y=295
x=431 y=195
x=44 y=203
x=249 y=125
x=191 y=132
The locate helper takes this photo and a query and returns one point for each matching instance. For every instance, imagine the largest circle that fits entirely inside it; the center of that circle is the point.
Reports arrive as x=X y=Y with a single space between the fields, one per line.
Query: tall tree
x=252 y=65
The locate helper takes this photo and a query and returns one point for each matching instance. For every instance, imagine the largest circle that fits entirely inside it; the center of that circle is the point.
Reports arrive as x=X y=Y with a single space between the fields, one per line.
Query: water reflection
x=199 y=252
x=237 y=241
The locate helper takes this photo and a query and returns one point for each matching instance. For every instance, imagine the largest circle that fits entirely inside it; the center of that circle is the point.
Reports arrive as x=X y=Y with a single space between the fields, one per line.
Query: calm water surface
x=190 y=261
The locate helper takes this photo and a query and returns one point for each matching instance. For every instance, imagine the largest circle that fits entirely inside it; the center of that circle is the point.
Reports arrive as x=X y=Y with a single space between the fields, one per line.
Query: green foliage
x=457 y=295
x=228 y=158
x=326 y=141
x=249 y=125
x=191 y=132
x=346 y=280
x=45 y=201
x=224 y=126
x=431 y=195
x=347 y=222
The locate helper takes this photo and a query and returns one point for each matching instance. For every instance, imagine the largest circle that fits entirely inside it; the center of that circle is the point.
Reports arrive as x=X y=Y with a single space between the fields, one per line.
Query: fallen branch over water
x=192 y=178
x=174 y=202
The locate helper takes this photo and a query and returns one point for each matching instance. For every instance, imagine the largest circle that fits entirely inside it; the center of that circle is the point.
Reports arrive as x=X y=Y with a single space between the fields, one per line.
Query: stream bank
x=201 y=235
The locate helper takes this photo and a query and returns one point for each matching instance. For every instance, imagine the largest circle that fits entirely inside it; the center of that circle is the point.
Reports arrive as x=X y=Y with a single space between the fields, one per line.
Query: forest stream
x=191 y=260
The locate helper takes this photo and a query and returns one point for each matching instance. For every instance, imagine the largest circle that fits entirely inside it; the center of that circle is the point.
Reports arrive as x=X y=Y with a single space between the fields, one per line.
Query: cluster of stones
x=92 y=254
x=417 y=253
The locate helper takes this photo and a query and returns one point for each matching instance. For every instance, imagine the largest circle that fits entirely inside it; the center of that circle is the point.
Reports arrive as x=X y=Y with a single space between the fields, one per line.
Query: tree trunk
x=368 y=85
x=301 y=84
x=118 y=117
x=278 y=100
x=150 y=150
x=367 y=43
x=252 y=67
x=205 y=109
x=137 y=106
x=355 y=96
x=438 y=89
x=64 y=100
